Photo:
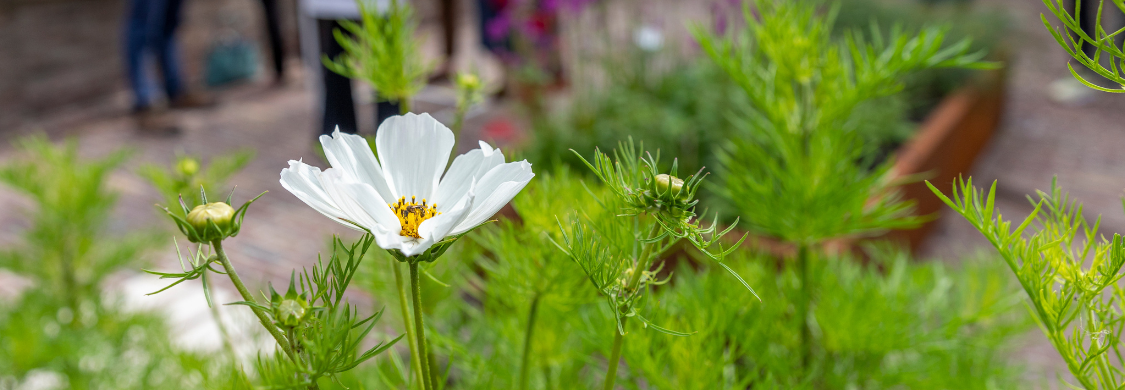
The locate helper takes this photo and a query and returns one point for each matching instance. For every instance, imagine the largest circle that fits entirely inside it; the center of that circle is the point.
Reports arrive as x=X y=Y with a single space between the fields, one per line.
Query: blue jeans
x=150 y=33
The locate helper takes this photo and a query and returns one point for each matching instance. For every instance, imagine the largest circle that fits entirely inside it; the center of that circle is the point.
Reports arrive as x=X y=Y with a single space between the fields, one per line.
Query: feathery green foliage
x=527 y=283
x=1106 y=48
x=620 y=256
x=63 y=328
x=682 y=113
x=382 y=50
x=99 y=346
x=329 y=341
x=67 y=250
x=1077 y=306
x=890 y=324
x=186 y=176
x=799 y=170
x=320 y=333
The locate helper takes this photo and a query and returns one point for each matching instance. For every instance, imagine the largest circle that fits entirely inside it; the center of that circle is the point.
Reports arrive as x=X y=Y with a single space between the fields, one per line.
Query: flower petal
x=466 y=169
x=406 y=245
x=373 y=205
x=415 y=246
x=392 y=240
x=303 y=181
x=335 y=184
x=438 y=227
x=351 y=154
x=494 y=190
x=413 y=150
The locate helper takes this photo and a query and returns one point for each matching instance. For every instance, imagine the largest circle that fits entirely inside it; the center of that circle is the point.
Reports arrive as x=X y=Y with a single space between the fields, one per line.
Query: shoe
x=193 y=100
x=152 y=121
x=279 y=82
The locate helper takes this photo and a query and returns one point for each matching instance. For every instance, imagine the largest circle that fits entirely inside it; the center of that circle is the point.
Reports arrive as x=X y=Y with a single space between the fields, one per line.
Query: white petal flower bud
x=218 y=212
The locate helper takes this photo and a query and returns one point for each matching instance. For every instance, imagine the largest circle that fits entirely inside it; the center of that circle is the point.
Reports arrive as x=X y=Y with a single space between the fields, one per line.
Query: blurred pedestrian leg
x=318 y=22
x=448 y=10
x=1067 y=90
x=149 y=34
x=385 y=109
x=339 y=107
x=273 y=31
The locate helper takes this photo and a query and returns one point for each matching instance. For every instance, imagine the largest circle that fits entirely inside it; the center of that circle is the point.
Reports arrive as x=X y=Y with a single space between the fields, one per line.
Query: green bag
x=230 y=61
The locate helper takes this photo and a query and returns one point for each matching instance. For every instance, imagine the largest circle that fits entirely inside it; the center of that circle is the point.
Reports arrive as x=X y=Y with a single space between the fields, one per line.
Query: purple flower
x=575 y=6
x=498 y=28
x=720 y=18
x=549 y=5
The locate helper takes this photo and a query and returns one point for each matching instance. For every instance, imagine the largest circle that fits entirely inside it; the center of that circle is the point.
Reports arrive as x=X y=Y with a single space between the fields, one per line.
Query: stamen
x=412 y=214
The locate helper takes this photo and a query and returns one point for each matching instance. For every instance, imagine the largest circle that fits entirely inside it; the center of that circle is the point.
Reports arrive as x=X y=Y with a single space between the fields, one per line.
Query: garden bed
x=946 y=146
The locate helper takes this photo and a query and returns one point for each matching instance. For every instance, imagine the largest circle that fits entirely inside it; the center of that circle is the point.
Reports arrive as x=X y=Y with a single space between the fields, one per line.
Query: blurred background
x=557 y=74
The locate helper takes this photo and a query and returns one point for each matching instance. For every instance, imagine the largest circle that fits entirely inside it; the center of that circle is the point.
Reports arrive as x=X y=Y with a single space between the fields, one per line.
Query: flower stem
x=404 y=106
x=803 y=306
x=435 y=369
x=547 y=377
x=641 y=266
x=248 y=297
x=419 y=327
x=459 y=120
x=415 y=358
x=643 y=260
x=525 y=363
x=219 y=322
x=615 y=357
x=70 y=283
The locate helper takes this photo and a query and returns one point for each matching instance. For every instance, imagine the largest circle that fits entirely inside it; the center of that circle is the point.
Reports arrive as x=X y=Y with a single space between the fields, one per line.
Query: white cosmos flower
x=402 y=197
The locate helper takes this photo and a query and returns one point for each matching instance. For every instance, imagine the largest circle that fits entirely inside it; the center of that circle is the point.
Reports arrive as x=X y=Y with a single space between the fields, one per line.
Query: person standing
x=319 y=20
x=273 y=33
x=150 y=32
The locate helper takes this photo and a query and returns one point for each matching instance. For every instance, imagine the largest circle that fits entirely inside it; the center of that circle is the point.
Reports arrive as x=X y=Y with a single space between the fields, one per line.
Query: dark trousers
x=1087 y=20
x=273 y=31
x=150 y=31
x=339 y=106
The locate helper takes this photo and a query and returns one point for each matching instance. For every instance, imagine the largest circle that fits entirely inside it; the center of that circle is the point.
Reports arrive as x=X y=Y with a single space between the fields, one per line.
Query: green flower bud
x=665 y=182
x=218 y=212
x=187 y=167
x=290 y=312
x=291 y=309
x=468 y=81
x=208 y=222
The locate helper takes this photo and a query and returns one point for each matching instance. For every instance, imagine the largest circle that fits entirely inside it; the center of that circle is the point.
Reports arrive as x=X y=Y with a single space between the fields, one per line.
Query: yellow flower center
x=411 y=214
